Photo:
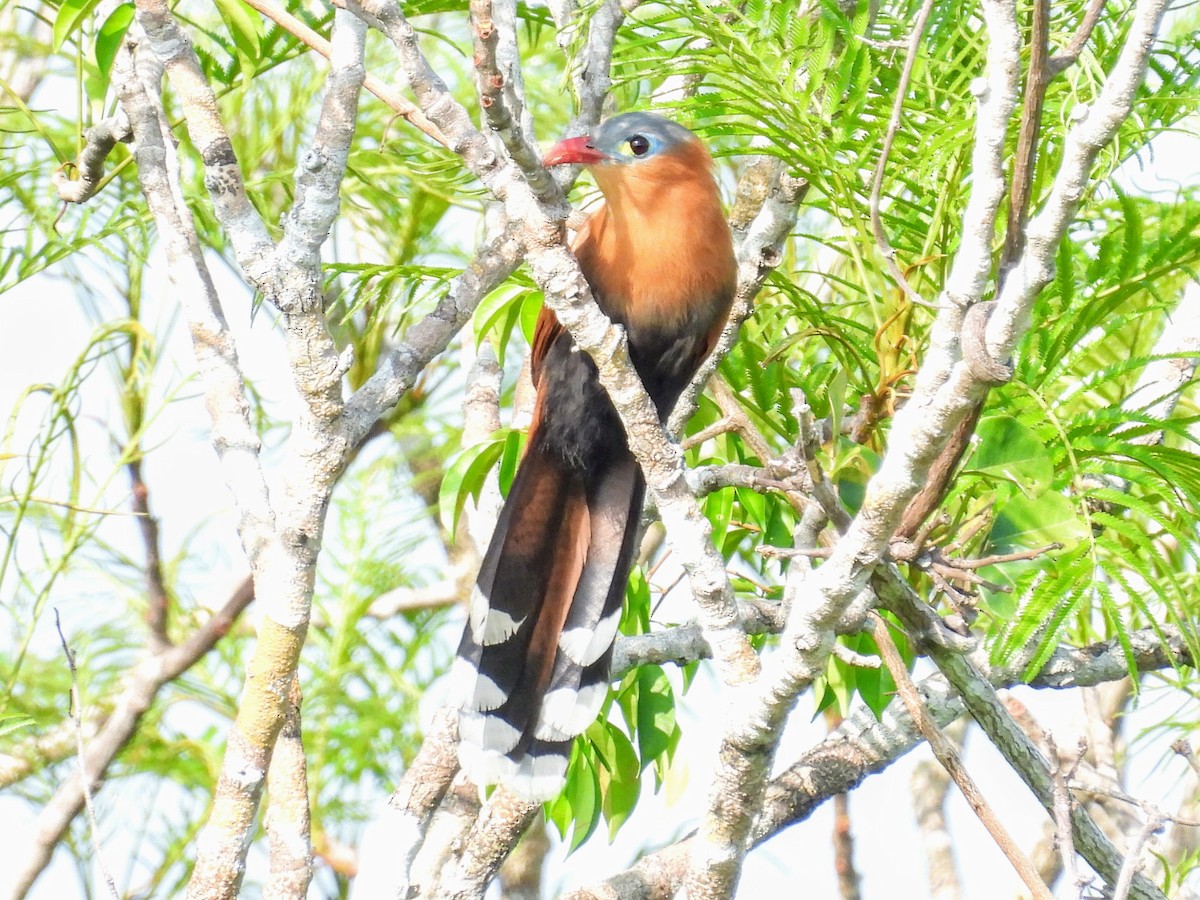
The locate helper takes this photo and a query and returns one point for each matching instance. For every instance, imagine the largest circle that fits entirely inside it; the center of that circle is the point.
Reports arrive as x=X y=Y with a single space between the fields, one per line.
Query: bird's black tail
x=532 y=668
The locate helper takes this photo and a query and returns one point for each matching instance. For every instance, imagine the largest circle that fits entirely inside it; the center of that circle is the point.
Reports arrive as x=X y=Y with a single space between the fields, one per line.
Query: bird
x=532 y=668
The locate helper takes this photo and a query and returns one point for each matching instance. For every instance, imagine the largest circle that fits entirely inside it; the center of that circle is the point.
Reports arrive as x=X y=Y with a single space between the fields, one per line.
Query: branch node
x=981 y=364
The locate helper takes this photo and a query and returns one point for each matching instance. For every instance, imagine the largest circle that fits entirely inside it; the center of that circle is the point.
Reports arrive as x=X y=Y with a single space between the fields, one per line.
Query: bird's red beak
x=573 y=150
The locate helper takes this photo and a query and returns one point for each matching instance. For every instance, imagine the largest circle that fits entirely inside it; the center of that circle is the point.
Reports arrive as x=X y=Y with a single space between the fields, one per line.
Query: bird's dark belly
x=579 y=423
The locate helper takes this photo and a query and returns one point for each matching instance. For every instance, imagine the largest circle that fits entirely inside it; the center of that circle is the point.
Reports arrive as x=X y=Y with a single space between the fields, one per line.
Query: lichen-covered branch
x=416 y=798
x=173 y=48
x=98 y=143
x=316 y=452
x=501 y=823
x=288 y=818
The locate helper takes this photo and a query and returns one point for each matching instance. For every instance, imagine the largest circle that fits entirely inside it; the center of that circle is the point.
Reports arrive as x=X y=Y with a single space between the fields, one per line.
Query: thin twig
x=311 y=39
x=856 y=659
x=983 y=561
x=1133 y=859
x=881 y=241
x=1036 y=81
x=157 y=600
x=1118 y=794
x=948 y=756
x=1184 y=749
x=722 y=426
x=499 y=83
x=1061 y=61
x=1063 y=801
x=81 y=758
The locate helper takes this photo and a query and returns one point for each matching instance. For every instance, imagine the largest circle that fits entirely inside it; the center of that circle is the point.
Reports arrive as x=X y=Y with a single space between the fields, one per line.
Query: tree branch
x=316 y=455
x=501 y=823
x=173 y=48
x=1083 y=143
x=100 y=140
x=157 y=600
x=288 y=819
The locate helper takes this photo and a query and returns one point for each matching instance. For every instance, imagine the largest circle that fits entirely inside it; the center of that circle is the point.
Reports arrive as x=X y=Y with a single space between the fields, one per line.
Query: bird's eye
x=639 y=145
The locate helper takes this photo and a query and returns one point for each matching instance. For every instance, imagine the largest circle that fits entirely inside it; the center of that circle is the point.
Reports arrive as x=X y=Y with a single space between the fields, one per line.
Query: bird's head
x=635 y=147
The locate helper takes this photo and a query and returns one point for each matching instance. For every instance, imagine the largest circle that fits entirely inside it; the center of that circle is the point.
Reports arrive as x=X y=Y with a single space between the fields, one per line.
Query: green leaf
x=1012 y=452
x=635 y=616
x=655 y=713
x=14 y=722
x=531 y=308
x=510 y=459
x=840 y=684
x=244 y=24
x=108 y=39
x=465 y=477
x=70 y=18
x=1032 y=522
x=582 y=794
x=619 y=774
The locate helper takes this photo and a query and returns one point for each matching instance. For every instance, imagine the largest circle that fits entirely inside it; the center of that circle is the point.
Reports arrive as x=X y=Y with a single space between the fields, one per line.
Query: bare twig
x=1184 y=748
x=1062 y=814
x=85 y=778
x=881 y=241
x=1037 y=79
x=947 y=755
x=848 y=881
x=157 y=599
x=1133 y=859
x=289 y=820
x=996 y=559
x=722 y=426
x=500 y=86
x=1061 y=61
x=853 y=658
x=310 y=38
